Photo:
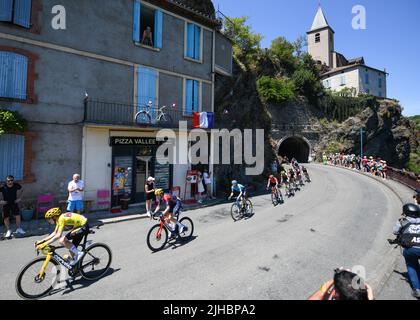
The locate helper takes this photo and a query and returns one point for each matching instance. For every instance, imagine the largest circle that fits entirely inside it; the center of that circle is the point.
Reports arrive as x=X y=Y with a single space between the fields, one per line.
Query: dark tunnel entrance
x=295 y=147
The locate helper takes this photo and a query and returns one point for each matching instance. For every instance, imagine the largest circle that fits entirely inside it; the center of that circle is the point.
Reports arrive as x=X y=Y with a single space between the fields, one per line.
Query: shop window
x=148 y=26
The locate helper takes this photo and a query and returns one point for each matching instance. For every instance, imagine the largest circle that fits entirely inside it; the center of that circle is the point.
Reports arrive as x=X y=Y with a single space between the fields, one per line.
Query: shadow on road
x=404 y=276
x=79 y=283
x=177 y=243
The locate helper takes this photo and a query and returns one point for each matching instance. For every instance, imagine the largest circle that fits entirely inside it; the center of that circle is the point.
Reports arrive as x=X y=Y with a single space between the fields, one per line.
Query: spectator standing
x=12 y=196
x=75 y=200
x=147 y=37
x=149 y=187
x=208 y=182
x=364 y=163
x=200 y=186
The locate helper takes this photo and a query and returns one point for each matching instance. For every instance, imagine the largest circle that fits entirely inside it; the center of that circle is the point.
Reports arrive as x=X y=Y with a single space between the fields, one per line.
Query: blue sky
x=391 y=39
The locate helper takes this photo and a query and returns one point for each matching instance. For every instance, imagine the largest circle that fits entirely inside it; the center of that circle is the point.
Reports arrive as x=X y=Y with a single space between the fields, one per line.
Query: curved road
x=286 y=252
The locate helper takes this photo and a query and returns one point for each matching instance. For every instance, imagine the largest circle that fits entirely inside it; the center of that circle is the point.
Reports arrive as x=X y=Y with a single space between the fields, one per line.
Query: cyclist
x=292 y=181
x=79 y=228
x=159 y=199
x=305 y=172
x=284 y=179
x=298 y=173
x=273 y=184
x=173 y=206
x=238 y=188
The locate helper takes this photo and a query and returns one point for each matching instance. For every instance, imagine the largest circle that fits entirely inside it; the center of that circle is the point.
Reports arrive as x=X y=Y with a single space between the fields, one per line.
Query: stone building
x=342 y=72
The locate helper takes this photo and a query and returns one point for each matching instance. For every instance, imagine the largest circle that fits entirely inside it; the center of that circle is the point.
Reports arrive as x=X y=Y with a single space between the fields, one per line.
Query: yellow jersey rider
x=79 y=228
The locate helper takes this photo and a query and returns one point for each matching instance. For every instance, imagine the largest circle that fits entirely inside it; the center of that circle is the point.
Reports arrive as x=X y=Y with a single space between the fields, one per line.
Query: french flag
x=203 y=120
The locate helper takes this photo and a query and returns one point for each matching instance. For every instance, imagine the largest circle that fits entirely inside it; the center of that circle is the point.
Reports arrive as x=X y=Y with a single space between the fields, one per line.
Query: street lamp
x=361 y=132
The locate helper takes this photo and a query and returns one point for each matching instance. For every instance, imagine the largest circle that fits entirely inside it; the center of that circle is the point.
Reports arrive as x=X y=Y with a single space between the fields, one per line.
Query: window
x=192 y=93
x=193 y=41
x=148 y=26
x=17 y=12
x=380 y=93
x=13 y=75
x=317 y=38
x=367 y=78
x=343 y=80
x=12 y=150
x=380 y=83
x=147 y=80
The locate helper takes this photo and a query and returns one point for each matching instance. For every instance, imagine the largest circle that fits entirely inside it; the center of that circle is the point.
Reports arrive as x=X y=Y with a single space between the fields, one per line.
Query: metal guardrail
x=110 y=113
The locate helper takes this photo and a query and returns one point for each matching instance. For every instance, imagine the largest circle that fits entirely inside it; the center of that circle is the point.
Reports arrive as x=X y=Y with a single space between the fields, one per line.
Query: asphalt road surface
x=283 y=252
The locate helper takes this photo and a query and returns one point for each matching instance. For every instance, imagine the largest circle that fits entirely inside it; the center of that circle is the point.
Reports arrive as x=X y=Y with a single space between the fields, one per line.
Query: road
x=284 y=252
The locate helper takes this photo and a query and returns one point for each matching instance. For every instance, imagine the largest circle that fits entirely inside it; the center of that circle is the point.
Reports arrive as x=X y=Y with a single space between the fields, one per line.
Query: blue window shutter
x=146 y=89
x=197 y=42
x=6 y=7
x=188 y=96
x=190 y=40
x=20 y=75
x=136 y=21
x=22 y=15
x=5 y=72
x=12 y=155
x=158 y=29
x=196 y=96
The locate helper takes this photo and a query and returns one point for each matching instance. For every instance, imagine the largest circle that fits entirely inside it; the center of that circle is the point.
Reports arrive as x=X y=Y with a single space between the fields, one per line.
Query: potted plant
x=28 y=211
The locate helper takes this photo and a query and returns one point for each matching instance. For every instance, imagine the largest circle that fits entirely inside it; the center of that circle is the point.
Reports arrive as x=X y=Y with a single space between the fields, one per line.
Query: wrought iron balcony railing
x=108 y=113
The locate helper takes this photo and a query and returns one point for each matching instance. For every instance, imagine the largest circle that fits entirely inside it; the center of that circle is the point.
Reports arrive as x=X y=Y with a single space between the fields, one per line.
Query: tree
x=275 y=90
x=245 y=41
x=299 y=44
x=12 y=122
x=282 y=53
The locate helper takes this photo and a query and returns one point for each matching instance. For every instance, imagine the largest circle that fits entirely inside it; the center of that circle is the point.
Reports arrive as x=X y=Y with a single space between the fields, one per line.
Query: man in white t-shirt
x=75 y=200
x=207 y=182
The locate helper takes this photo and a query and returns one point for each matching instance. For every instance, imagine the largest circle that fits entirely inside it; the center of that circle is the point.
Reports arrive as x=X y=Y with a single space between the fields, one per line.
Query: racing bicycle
x=40 y=276
x=158 y=235
x=276 y=196
x=238 y=211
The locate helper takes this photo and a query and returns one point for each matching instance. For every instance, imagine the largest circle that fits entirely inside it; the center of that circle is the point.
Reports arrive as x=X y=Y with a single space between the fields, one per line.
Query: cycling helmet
x=234 y=182
x=411 y=210
x=159 y=192
x=53 y=212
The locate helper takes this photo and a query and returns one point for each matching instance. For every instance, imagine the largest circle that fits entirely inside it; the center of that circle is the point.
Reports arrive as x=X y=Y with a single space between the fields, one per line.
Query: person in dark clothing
x=12 y=196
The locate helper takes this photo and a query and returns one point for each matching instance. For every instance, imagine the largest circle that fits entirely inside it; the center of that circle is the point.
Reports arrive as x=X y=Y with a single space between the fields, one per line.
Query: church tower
x=321 y=39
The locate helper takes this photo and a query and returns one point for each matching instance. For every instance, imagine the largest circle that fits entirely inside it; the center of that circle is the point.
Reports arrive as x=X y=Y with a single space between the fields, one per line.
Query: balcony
x=147 y=116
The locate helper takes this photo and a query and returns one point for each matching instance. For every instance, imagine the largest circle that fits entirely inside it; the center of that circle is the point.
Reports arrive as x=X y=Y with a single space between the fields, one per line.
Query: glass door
x=143 y=171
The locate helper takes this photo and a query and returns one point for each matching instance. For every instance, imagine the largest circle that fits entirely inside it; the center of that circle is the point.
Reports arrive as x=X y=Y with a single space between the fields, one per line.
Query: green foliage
x=282 y=53
x=334 y=147
x=12 y=122
x=275 y=90
x=414 y=162
x=245 y=41
x=307 y=84
x=416 y=120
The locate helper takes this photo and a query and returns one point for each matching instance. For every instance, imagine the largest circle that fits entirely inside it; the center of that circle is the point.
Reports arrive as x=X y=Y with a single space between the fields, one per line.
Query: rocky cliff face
x=388 y=134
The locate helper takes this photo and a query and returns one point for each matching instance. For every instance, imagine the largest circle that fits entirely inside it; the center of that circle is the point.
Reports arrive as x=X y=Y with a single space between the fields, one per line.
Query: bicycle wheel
x=96 y=261
x=188 y=230
x=143 y=118
x=274 y=199
x=157 y=238
x=249 y=208
x=28 y=283
x=165 y=120
x=235 y=212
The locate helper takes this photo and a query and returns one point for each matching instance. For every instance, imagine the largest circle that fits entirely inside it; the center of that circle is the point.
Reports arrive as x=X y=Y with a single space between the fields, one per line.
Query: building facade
x=341 y=73
x=82 y=87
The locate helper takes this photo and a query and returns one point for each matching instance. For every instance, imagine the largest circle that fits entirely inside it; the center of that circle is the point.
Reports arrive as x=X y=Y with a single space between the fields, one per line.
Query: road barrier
x=407 y=178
